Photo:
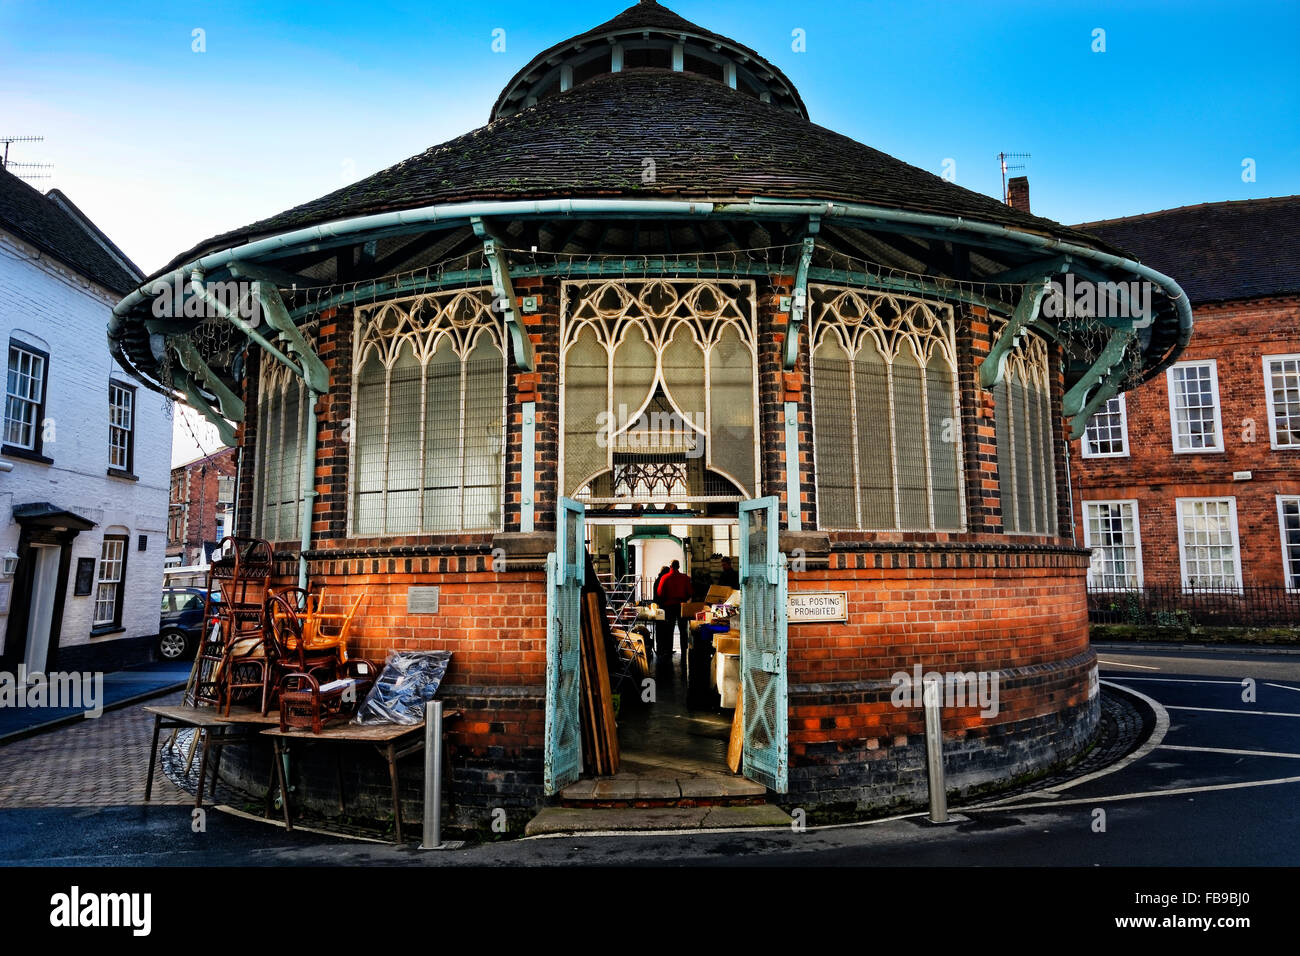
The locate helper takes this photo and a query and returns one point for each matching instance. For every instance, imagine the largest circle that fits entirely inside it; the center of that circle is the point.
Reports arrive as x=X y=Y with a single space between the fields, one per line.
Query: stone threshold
x=574 y=820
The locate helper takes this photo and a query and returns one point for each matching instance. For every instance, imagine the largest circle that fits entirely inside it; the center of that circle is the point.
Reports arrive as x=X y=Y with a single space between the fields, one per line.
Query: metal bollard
x=934 y=750
x=432 y=776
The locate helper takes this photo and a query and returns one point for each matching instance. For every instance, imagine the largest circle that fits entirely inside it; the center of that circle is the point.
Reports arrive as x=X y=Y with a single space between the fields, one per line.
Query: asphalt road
x=1217 y=785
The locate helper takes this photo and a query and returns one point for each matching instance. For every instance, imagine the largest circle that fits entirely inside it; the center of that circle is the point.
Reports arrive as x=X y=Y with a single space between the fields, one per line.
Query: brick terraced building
x=1192 y=481
x=651 y=300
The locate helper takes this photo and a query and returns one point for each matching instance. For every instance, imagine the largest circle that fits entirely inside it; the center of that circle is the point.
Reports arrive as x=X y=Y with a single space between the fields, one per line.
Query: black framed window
x=110 y=581
x=25 y=387
x=121 y=427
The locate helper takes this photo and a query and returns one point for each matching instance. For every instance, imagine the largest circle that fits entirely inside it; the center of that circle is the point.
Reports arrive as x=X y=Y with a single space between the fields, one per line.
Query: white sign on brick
x=804 y=606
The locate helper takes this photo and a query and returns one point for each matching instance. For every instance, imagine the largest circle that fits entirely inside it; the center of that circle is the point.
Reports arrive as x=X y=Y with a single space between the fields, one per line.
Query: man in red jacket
x=673 y=589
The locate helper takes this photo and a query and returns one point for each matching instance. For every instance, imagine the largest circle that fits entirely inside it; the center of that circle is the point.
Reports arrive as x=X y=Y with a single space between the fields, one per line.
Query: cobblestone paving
x=94 y=763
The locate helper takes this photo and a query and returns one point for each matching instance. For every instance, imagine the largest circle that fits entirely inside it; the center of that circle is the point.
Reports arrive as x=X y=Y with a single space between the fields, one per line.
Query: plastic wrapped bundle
x=408 y=681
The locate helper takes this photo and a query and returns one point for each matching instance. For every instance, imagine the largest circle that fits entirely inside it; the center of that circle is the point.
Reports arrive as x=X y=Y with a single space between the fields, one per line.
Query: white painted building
x=86 y=450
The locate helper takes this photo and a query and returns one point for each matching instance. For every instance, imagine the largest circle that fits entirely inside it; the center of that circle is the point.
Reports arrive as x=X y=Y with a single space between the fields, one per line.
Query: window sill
x=124 y=475
x=11 y=451
x=107 y=629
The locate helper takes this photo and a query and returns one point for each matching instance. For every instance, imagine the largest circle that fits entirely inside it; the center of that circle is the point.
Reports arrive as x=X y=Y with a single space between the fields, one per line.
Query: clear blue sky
x=164 y=147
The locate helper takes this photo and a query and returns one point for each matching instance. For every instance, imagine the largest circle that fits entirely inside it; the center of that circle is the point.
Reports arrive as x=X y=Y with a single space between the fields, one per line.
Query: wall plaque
x=422 y=599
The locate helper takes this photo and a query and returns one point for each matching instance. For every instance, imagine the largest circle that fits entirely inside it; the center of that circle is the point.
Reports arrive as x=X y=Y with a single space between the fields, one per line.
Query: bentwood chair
x=293 y=653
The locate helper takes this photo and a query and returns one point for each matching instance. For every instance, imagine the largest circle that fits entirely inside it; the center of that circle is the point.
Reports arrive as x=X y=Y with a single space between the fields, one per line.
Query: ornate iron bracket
x=799 y=301
x=505 y=295
x=1025 y=313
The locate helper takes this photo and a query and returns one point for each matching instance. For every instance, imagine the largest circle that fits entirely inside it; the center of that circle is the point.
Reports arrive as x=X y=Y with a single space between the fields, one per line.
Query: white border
x=1236 y=539
x=1123 y=424
x=1137 y=538
x=1218 y=407
x=1293 y=587
x=1268 y=401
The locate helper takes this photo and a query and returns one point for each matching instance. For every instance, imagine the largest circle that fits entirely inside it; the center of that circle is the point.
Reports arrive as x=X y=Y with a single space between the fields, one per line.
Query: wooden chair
x=237 y=660
x=292 y=653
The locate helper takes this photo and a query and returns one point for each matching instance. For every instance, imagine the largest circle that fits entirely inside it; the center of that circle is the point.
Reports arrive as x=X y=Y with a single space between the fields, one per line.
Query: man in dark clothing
x=727 y=577
x=663 y=573
x=673 y=589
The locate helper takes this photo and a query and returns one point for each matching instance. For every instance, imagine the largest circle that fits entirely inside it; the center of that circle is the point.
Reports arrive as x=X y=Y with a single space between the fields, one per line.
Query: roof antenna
x=5 y=164
x=1002 y=160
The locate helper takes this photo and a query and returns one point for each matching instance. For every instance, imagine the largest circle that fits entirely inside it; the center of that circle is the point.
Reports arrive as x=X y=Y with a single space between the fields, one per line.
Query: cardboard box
x=692 y=608
x=719 y=595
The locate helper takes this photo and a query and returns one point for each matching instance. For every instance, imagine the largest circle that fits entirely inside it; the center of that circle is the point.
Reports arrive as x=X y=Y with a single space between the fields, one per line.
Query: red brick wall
x=1236 y=335
x=197 y=503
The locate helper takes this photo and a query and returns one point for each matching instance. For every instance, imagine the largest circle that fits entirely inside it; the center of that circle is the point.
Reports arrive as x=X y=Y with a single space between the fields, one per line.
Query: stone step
x=660 y=788
x=592 y=820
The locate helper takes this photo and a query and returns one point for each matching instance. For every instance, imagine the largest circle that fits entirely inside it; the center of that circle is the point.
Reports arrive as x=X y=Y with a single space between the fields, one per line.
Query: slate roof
x=647 y=15
x=53 y=224
x=1219 y=251
x=708 y=142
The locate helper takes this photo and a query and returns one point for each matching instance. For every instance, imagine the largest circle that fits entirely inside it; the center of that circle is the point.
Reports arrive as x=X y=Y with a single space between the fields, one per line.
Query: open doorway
x=675 y=715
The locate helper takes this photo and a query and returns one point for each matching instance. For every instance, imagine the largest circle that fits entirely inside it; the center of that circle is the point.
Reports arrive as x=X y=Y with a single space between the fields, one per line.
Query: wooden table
x=392 y=741
x=217 y=730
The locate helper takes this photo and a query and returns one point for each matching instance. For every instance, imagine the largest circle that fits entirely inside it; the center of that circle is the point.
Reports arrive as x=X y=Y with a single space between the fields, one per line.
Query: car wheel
x=172 y=645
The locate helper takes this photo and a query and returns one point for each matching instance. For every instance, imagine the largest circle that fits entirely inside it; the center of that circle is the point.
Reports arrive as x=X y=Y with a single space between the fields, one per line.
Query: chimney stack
x=1018 y=193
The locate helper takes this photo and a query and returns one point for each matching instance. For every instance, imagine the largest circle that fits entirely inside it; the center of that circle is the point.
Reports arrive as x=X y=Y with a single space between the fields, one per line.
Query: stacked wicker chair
x=234 y=659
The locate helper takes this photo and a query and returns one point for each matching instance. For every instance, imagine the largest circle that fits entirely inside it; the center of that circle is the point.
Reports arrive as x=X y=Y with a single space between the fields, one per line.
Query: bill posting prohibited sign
x=803 y=606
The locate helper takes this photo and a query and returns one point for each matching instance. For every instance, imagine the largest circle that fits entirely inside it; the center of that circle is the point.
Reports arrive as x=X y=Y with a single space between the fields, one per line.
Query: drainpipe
x=308 y=488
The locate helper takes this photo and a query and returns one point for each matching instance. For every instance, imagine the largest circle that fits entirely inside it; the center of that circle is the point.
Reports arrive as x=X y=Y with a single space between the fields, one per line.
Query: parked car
x=182 y=624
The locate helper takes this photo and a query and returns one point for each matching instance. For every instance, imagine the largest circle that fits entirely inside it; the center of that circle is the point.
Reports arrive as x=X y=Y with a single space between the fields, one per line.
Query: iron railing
x=1177 y=606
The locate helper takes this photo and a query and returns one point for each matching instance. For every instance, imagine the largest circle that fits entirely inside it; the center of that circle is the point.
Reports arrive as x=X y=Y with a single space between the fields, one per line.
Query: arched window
x=1022 y=419
x=659 y=373
x=429 y=421
x=886 y=437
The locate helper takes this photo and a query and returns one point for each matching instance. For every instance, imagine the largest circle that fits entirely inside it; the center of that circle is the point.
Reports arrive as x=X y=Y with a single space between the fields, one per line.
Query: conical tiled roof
x=707 y=142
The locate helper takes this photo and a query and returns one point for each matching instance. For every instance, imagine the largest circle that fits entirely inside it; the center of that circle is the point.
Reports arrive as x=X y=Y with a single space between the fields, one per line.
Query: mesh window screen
x=403 y=485
x=944 y=432
x=282 y=419
x=683 y=362
x=586 y=398
x=1022 y=478
x=484 y=436
x=884 y=419
x=875 y=439
x=430 y=414
x=731 y=408
x=909 y=443
x=1023 y=434
x=442 y=438
x=1003 y=440
x=368 y=449
x=833 y=413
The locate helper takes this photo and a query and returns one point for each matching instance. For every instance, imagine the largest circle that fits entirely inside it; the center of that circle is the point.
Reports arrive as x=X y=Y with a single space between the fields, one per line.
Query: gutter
x=462 y=213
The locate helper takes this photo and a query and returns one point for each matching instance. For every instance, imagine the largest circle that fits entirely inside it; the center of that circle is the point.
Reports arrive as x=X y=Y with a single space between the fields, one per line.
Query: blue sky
x=164 y=147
